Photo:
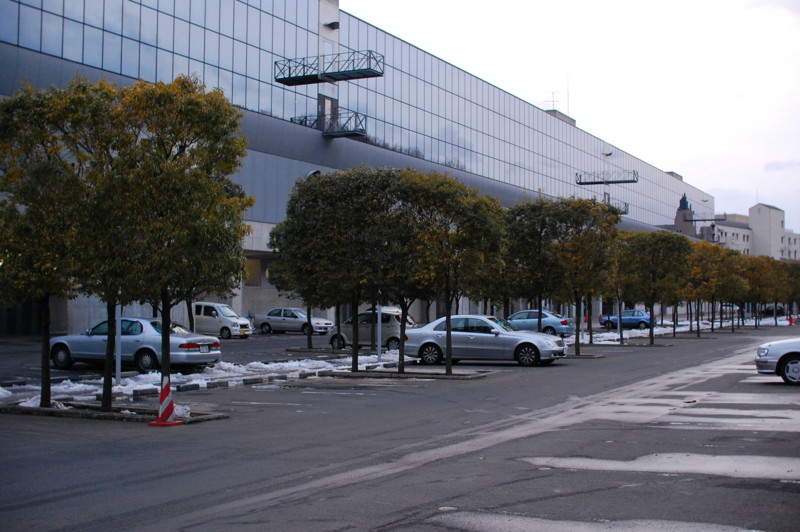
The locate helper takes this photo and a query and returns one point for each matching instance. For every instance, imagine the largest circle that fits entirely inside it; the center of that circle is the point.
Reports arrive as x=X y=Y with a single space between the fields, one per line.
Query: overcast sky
x=709 y=89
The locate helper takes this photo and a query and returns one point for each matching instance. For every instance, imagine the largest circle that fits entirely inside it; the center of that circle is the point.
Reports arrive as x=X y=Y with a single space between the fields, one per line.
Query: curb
x=117 y=413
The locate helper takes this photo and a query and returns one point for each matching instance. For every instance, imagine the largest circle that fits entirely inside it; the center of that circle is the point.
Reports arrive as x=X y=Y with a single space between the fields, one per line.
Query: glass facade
x=422 y=106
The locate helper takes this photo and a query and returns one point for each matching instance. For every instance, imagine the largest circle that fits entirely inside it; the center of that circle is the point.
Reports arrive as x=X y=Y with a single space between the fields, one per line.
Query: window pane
x=73 y=41
x=196 y=41
x=165 y=31
x=164 y=70
x=112 y=52
x=8 y=21
x=130 y=27
x=30 y=27
x=212 y=47
x=51 y=34
x=93 y=46
x=149 y=27
x=181 y=37
x=94 y=12
x=180 y=65
x=130 y=58
x=113 y=16
x=147 y=63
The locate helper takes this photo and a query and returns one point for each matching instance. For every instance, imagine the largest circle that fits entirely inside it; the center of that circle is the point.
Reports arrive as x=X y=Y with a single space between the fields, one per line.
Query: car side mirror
x=213 y=313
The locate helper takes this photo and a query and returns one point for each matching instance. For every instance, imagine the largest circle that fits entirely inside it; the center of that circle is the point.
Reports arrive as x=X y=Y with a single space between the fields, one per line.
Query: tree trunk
x=578 y=320
x=108 y=368
x=355 y=340
x=44 y=310
x=310 y=331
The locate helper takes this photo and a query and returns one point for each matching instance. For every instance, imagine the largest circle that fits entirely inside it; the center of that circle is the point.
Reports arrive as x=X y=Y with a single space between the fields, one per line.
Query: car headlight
x=549 y=344
x=763 y=351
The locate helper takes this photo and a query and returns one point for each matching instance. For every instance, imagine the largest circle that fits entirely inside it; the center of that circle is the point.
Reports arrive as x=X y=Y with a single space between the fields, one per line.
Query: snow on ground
x=234 y=374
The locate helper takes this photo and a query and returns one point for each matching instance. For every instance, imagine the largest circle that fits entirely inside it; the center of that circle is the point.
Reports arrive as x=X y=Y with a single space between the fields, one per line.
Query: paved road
x=681 y=436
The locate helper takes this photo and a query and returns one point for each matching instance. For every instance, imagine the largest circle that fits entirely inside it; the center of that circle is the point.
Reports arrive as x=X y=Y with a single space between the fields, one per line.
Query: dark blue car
x=631 y=319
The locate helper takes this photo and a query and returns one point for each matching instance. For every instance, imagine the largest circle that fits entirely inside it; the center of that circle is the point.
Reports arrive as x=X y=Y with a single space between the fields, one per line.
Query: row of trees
x=379 y=235
x=122 y=194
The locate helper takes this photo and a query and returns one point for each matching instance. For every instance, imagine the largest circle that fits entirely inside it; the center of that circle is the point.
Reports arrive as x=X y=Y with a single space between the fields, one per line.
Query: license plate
x=204 y=349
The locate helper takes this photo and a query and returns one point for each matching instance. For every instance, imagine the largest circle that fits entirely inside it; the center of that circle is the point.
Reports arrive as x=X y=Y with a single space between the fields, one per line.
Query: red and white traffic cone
x=166 y=408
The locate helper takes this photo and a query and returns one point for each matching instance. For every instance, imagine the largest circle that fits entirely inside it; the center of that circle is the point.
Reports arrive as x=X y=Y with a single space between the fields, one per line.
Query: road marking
x=480 y=521
x=739 y=466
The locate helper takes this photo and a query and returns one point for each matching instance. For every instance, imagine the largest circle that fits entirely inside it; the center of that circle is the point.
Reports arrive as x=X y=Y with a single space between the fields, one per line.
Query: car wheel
x=304 y=329
x=393 y=344
x=549 y=330
x=430 y=354
x=62 y=359
x=225 y=333
x=608 y=325
x=146 y=361
x=790 y=370
x=337 y=342
x=527 y=355
x=266 y=329
x=642 y=325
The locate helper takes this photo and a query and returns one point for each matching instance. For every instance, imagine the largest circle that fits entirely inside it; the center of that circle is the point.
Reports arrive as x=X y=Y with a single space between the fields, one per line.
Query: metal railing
x=335 y=67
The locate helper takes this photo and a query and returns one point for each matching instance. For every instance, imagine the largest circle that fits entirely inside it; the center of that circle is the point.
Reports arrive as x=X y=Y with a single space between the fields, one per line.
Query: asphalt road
x=680 y=436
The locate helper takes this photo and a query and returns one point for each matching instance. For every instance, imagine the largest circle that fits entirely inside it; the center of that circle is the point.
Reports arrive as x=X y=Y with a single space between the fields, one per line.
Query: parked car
x=290 y=319
x=631 y=319
x=781 y=357
x=552 y=323
x=390 y=329
x=483 y=337
x=772 y=310
x=220 y=319
x=141 y=345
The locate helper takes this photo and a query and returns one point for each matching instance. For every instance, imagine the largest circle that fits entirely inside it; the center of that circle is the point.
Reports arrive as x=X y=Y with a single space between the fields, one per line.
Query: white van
x=220 y=320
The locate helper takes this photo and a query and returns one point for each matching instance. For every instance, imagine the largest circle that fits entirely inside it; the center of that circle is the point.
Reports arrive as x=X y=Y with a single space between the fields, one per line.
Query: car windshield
x=300 y=313
x=175 y=328
x=503 y=324
x=227 y=311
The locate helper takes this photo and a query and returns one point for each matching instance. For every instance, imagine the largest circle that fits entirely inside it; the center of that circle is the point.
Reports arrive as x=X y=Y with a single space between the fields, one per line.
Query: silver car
x=781 y=357
x=552 y=323
x=141 y=345
x=290 y=319
x=483 y=337
x=390 y=329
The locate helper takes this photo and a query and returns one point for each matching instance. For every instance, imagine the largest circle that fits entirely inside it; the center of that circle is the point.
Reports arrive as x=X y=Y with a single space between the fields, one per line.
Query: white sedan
x=483 y=337
x=781 y=357
x=141 y=345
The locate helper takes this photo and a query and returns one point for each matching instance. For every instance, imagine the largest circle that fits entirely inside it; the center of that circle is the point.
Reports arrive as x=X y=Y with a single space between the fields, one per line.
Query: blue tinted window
x=147 y=63
x=93 y=46
x=130 y=20
x=113 y=16
x=73 y=41
x=130 y=58
x=51 y=34
x=181 y=37
x=149 y=26
x=9 y=19
x=30 y=27
x=112 y=52
x=94 y=12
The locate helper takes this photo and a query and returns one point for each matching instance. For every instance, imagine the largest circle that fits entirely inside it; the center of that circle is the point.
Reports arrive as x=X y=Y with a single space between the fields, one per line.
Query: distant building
x=762 y=232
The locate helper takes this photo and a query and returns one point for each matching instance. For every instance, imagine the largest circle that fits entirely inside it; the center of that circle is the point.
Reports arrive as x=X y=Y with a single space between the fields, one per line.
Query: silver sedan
x=483 y=337
x=141 y=345
x=781 y=357
x=290 y=319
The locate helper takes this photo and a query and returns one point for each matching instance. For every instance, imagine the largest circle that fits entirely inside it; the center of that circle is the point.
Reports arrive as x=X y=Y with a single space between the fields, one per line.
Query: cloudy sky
x=709 y=89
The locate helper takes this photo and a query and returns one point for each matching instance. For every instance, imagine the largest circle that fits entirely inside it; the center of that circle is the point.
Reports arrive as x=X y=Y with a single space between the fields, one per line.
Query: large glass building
x=322 y=90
